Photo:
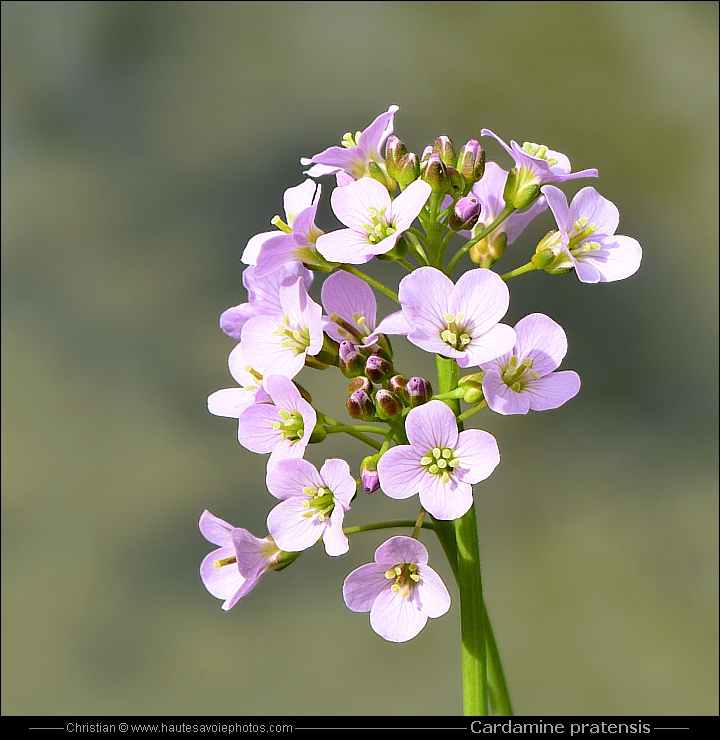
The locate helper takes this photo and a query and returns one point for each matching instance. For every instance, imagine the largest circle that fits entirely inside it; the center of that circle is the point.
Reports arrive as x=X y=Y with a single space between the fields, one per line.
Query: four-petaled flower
x=313 y=504
x=350 y=161
x=351 y=307
x=440 y=463
x=523 y=379
x=278 y=345
x=454 y=320
x=231 y=402
x=282 y=427
x=588 y=239
x=374 y=221
x=242 y=559
x=400 y=590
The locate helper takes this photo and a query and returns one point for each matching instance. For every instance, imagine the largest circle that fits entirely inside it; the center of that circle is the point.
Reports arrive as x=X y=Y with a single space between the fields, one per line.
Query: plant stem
x=386 y=525
x=527 y=267
x=370 y=281
x=329 y=421
x=480 y=235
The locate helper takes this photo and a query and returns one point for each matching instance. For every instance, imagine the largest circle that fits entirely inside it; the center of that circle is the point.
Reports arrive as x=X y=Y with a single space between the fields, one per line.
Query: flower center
x=346 y=330
x=378 y=228
x=582 y=230
x=348 y=140
x=297 y=339
x=440 y=461
x=540 y=151
x=252 y=386
x=290 y=426
x=405 y=576
x=516 y=373
x=225 y=561
x=320 y=502
x=455 y=335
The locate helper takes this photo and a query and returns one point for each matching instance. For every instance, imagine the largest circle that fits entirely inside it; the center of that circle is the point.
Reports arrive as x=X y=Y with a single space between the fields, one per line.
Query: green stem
x=386 y=525
x=467 y=414
x=480 y=235
x=406 y=265
x=528 y=267
x=371 y=281
x=329 y=421
x=357 y=428
x=497 y=685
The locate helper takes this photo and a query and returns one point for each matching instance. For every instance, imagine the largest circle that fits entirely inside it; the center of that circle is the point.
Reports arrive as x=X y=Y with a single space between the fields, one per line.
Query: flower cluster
x=396 y=206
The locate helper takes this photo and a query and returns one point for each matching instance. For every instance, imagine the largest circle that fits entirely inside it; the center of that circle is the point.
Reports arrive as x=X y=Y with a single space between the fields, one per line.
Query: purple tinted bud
x=444 y=147
x=435 y=174
x=377 y=368
x=397 y=384
x=360 y=383
x=369 y=475
x=471 y=162
x=427 y=151
x=418 y=391
x=387 y=405
x=360 y=406
x=352 y=361
x=407 y=169
x=394 y=151
x=465 y=214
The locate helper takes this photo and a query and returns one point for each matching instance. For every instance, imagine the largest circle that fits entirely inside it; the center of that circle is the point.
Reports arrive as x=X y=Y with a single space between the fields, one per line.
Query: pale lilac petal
x=493 y=343
x=287 y=479
x=332 y=159
x=336 y=474
x=233 y=319
x=304 y=230
x=448 y=500
x=431 y=425
x=319 y=170
x=400 y=472
x=478 y=454
x=352 y=203
x=252 y=249
x=558 y=205
x=263 y=348
x=542 y=340
x=287 y=450
x=618 y=258
x=552 y=391
x=335 y=540
x=488 y=132
x=255 y=430
x=276 y=252
x=395 y=323
x=300 y=197
x=283 y=392
x=586 y=270
x=237 y=365
x=342 y=178
x=424 y=296
x=373 y=137
x=364 y=585
x=406 y=207
x=230 y=402
x=401 y=549
x=395 y=618
x=431 y=596
x=215 y=530
x=429 y=339
x=489 y=192
x=589 y=204
x=483 y=298
x=517 y=222
x=501 y=398
x=345 y=245
x=347 y=295
x=225 y=582
x=254 y=555
x=292 y=531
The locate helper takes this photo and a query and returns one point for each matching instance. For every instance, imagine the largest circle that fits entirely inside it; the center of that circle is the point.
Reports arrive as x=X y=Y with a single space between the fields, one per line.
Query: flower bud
x=387 y=405
x=465 y=214
x=407 y=169
x=457 y=181
x=328 y=353
x=473 y=395
x=525 y=196
x=418 y=391
x=360 y=383
x=378 y=368
x=394 y=151
x=377 y=172
x=397 y=384
x=444 y=148
x=369 y=475
x=318 y=433
x=435 y=174
x=550 y=256
x=351 y=360
x=474 y=380
x=488 y=250
x=427 y=151
x=360 y=406
x=510 y=188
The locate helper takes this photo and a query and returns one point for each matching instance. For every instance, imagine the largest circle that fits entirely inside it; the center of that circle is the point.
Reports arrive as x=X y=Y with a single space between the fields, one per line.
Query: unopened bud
x=488 y=250
x=418 y=391
x=394 y=151
x=378 y=368
x=397 y=384
x=387 y=405
x=525 y=196
x=360 y=383
x=407 y=169
x=352 y=360
x=444 y=148
x=369 y=475
x=474 y=380
x=360 y=406
x=434 y=172
x=510 y=188
x=328 y=353
x=457 y=181
x=550 y=255
x=473 y=395
x=375 y=171
x=471 y=162
x=318 y=433
x=465 y=214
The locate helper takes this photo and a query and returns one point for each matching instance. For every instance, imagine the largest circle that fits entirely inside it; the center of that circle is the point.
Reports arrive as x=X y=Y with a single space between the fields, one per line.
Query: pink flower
x=459 y=321
x=282 y=427
x=313 y=504
x=523 y=379
x=400 y=590
x=374 y=221
x=232 y=402
x=242 y=559
x=439 y=463
x=351 y=307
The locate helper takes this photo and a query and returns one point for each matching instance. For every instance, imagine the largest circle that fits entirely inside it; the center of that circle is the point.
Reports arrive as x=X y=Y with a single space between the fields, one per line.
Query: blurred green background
x=143 y=144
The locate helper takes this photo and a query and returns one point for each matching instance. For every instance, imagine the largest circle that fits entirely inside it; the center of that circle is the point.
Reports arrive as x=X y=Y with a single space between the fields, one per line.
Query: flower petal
x=345 y=245
x=400 y=472
x=292 y=531
x=431 y=596
x=619 y=257
x=255 y=430
x=431 y=425
x=363 y=586
x=215 y=530
x=406 y=207
x=493 y=343
x=424 y=296
x=589 y=204
x=288 y=478
x=348 y=296
x=230 y=402
x=541 y=339
x=553 y=390
x=478 y=453
x=448 y=500
x=501 y=398
x=336 y=474
x=401 y=549
x=352 y=203
x=395 y=618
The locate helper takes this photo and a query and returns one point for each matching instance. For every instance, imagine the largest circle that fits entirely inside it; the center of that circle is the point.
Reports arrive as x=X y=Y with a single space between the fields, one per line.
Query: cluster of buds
x=388 y=401
x=447 y=172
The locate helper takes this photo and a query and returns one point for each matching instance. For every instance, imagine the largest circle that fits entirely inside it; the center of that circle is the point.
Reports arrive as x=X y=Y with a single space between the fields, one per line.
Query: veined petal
x=541 y=339
x=400 y=472
x=482 y=297
x=254 y=555
x=292 y=531
x=348 y=297
x=255 y=430
x=215 y=530
x=558 y=205
x=448 y=500
x=345 y=245
x=300 y=197
x=431 y=425
x=478 y=453
x=501 y=398
x=287 y=479
x=373 y=137
x=589 y=204
x=230 y=402
x=225 y=582
x=335 y=540
x=394 y=323
x=252 y=249
x=431 y=596
x=352 y=203
x=406 y=207
x=336 y=474
x=233 y=319
x=395 y=618
x=619 y=257
x=401 y=549
x=553 y=390
x=276 y=252
x=264 y=350
x=363 y=585
x=493 y=343
x=425 y=296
